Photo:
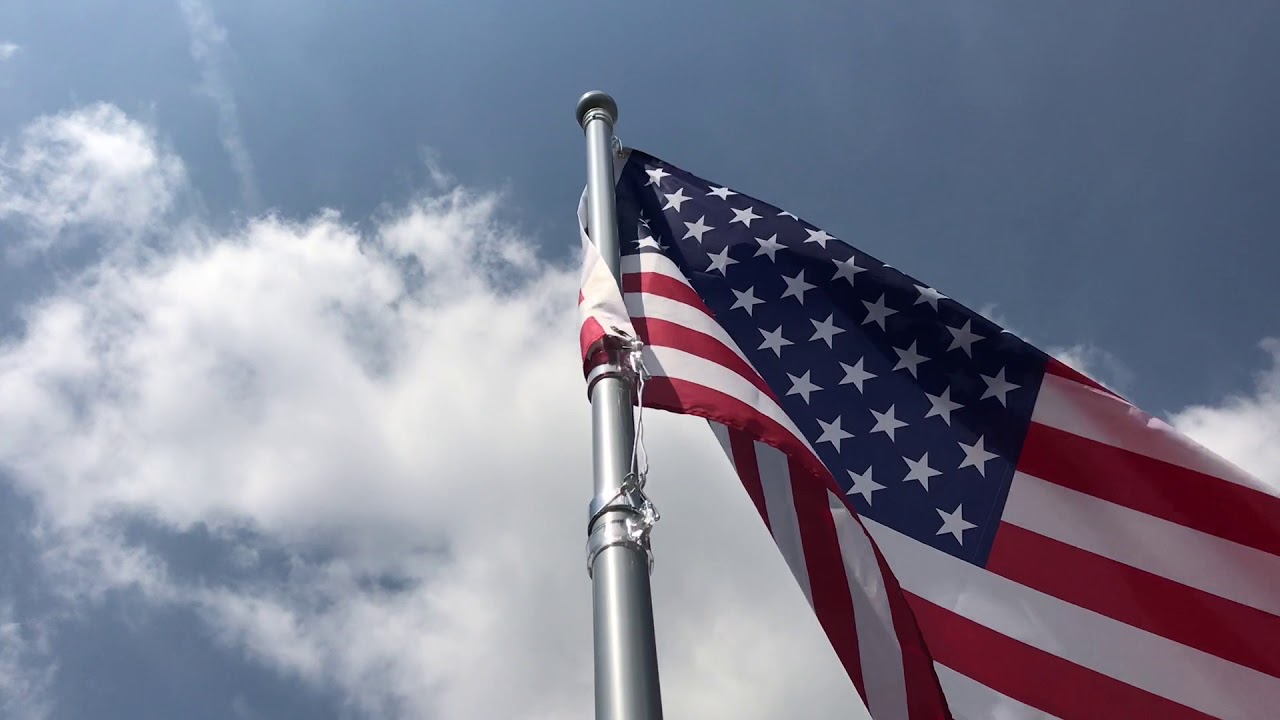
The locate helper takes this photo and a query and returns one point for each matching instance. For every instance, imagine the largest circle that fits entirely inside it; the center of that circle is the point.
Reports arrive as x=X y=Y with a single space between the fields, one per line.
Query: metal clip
x=626 y=530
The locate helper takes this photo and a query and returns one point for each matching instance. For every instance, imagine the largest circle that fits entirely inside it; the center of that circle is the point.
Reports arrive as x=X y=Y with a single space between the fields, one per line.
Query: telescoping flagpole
x=618 y=553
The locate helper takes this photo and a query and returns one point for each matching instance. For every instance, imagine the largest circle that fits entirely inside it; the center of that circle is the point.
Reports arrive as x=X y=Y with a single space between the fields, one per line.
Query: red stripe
x=1032 y=676
x=664 y=286
x=664 y=333
x=925 y=700
x=589 y=334
x=747 y=464
x=828 y=583
x=924 y=695
x=1221 y=627
x=1208 y=504
x=1062 y=370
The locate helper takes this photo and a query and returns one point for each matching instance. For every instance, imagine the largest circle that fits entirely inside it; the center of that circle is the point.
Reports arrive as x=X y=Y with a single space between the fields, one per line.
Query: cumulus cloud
x=211 y=53
x=8 y=50
x=89 y=172
x=1244 y=428
x=400 y=414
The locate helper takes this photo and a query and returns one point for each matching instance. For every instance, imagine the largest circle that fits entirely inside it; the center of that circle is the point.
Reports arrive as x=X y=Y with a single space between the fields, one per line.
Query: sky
x=291 y=415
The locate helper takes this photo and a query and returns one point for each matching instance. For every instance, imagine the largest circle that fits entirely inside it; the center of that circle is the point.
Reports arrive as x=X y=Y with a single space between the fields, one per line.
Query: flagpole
x=618 y=553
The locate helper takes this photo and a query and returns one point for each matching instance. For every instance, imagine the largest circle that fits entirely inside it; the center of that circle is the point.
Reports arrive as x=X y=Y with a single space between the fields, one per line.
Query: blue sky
x=240 y=456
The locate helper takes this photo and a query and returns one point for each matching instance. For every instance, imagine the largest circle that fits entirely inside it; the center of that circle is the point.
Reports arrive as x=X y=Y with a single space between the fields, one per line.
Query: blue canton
x=918 y=405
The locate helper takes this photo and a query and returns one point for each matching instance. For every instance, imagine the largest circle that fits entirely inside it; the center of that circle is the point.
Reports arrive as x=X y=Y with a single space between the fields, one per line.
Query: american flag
x=982 y=531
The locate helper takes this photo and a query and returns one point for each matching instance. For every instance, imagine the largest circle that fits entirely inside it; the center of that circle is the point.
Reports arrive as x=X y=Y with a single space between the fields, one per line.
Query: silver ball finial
x=596 y=99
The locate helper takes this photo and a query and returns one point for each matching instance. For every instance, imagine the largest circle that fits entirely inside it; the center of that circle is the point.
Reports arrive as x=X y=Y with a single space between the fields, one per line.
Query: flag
x=981 y=531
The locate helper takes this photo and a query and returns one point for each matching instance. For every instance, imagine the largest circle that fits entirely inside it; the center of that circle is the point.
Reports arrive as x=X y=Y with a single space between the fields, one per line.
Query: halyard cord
x=639 y=474
x=632 y=487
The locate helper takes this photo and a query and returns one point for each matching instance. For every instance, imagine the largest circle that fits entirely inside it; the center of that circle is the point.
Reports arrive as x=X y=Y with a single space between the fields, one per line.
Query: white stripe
x=1090 y=413
x=653 y=263
x=647 y=305
x=1141 y=659
x=969 y=699
x=1199 y=560
x=681 y=365
x=601 y=297
x=601 y=293
x=882 y=671
x=775 y=479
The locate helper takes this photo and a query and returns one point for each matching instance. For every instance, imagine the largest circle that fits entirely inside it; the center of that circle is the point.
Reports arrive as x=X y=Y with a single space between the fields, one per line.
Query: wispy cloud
x=8 y=50
x=211 y=53
x=26 y=671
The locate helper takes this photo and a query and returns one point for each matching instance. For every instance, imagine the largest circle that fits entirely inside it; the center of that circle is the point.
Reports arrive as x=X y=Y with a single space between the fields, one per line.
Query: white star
x=877 y=312
x=796 y=287
x=847 y=269
x=721 y=261
x=801 y=386
x=784 y=213
x=929 y=295
x=768 y=247
x=855 y=374
x=774 y=341
x=863 y=484
x=826 y=330
x=675 y=199
x=976 y=456
x=722 y=193
x=954 y=524
x=942 y=406
x=920 y=470
x=648 y=242
x=746 y=300
x=697 y=229
x=997 y=387
x=744 y=216
x=910 y=359
x=644 y=220
x=886 y=422
x=656 y=175
x=963 y=339
x=818 y=236
x=832 y=433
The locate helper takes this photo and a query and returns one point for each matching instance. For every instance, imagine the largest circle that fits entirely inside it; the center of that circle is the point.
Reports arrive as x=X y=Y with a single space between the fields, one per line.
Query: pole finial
x=596 y=100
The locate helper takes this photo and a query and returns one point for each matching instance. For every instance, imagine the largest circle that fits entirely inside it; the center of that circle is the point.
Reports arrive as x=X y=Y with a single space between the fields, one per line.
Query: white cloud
x=1243 y=428
x=286 y=379
x=93 y=171
x=210 y=51
x=8 y=50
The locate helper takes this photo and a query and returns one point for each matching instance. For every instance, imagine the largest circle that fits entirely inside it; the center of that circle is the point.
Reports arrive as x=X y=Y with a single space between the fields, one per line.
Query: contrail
x=209 y=49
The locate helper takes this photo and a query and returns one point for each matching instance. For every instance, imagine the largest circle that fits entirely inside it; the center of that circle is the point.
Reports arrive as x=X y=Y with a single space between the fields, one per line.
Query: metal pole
x=618 y=554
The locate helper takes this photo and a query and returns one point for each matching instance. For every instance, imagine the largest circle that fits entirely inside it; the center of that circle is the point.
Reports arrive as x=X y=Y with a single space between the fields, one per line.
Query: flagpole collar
x=596 y=101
